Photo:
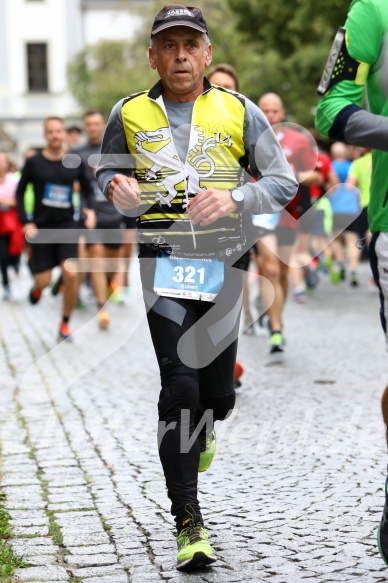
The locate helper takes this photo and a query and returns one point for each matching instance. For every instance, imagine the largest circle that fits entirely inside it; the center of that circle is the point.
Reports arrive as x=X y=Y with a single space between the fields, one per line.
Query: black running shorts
x=46 y=256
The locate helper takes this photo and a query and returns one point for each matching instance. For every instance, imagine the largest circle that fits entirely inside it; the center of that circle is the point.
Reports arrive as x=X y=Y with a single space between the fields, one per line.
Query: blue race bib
x=266 y=221
x=194 y=279
x=57 y=195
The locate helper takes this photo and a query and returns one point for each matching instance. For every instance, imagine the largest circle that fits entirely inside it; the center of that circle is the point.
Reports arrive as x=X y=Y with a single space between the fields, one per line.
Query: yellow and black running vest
x=216 y=158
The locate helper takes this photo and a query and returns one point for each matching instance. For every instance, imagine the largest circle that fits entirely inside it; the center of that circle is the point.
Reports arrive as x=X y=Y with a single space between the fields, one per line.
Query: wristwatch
x=238 y=197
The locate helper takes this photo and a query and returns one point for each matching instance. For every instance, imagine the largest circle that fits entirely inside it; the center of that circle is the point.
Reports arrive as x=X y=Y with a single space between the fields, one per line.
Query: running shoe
x=342 y=273
x=238 y=371
x=276 y=349
x=335 y=276
x=207 y=449
x=103 y=319
x=328 y=263
x=64 y=332
x=194 y=549
x=276 y=343
x=35 y=295
x=299 y=296
x=117 y=297
x=114 y=293
x=354 y=279
x=311 y=276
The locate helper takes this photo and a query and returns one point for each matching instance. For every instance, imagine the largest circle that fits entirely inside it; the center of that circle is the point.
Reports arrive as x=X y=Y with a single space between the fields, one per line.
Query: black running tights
x=196 y=345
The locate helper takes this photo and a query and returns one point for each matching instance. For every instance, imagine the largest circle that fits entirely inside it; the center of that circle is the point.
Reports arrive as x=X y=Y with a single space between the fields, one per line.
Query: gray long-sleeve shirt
x=273 y=184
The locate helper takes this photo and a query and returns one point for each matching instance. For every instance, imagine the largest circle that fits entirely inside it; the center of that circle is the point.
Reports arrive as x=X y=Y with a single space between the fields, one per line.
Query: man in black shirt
x=52 y=178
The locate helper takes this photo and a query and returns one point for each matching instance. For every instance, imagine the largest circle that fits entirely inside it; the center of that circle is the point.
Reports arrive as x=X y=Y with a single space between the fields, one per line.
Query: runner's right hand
x=124 y=192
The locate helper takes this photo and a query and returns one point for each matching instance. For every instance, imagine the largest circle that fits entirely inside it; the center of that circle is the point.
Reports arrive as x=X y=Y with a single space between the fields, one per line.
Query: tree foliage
x=275 y=45
x=293 y=39
x=103 y=73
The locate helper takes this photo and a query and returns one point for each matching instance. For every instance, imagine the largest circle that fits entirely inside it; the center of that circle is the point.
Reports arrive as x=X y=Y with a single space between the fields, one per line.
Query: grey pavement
x=295 y=491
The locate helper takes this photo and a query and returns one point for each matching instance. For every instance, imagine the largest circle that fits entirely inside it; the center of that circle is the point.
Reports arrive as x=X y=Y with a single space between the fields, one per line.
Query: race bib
x=266 y=221
x=194 y=279
x=57 y=195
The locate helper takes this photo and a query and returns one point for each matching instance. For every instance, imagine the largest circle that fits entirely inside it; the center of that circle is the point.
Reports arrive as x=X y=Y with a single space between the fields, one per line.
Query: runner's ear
x=151 y=58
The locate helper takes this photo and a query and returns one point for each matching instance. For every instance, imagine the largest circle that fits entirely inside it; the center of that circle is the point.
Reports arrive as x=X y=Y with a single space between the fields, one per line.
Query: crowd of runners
x=213 y=193
x=322 y=233
x=53 y=214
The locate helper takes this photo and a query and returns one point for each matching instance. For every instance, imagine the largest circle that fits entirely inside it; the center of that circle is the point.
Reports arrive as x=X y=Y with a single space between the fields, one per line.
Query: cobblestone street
x=295 y=491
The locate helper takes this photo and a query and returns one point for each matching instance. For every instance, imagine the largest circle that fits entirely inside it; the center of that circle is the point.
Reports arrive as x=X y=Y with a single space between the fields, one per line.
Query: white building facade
x=38 y=38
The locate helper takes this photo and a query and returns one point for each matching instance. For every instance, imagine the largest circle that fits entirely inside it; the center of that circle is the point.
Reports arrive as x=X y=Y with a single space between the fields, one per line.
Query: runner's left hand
x=210 y=205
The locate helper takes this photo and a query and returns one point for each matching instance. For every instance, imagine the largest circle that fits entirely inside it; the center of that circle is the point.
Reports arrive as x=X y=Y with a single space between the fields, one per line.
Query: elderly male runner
x=175 y=155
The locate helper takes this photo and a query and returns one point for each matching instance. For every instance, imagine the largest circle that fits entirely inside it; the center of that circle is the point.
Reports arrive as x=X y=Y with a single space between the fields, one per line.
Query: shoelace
x=193 y=533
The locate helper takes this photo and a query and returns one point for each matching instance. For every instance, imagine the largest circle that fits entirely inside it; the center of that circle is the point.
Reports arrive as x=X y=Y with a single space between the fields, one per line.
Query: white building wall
x=42 y=21
x=99 y=24
x=66 y=26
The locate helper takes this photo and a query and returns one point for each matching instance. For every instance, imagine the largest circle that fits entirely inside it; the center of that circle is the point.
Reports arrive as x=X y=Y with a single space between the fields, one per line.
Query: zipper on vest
x=161 y=105
x=191 y=224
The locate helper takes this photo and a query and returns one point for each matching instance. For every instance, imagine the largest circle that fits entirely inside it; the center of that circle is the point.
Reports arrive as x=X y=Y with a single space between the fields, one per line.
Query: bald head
x=272 y=107
x=339 y=151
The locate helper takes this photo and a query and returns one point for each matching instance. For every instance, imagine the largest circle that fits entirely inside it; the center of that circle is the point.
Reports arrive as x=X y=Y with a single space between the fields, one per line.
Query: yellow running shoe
x=194 y=549
x=207 y=449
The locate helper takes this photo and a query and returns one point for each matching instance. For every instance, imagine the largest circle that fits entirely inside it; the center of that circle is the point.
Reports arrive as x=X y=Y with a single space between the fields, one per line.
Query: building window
x=37 y=67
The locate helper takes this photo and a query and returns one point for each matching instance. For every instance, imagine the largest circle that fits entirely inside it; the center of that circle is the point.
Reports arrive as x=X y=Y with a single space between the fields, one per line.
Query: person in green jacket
x=359 y=61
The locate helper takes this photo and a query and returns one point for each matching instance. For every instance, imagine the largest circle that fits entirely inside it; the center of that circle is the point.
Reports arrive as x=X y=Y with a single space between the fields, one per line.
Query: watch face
x=237 y=196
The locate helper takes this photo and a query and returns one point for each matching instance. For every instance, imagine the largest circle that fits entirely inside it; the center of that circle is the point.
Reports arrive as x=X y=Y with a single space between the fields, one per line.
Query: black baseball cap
x=178 y=15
